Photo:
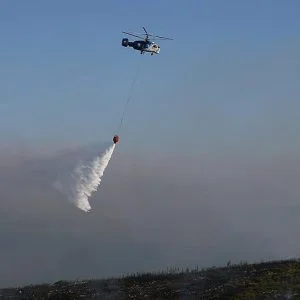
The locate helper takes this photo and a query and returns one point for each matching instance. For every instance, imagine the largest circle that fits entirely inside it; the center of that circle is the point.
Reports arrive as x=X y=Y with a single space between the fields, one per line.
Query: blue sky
x=64 y=75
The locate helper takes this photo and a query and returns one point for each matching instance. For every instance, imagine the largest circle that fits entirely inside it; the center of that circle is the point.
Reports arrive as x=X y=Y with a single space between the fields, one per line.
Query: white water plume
x=85 y=179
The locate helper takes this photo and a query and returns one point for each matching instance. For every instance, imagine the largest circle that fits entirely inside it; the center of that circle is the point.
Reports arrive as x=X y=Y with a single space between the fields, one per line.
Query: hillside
x=266 y=280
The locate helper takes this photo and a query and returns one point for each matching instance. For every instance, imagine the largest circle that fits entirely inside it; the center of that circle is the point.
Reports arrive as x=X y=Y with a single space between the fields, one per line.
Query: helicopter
x=144 y=45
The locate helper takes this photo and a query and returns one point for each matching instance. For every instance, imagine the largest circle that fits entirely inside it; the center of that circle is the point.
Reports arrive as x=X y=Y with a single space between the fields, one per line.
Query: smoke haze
x=148 y=214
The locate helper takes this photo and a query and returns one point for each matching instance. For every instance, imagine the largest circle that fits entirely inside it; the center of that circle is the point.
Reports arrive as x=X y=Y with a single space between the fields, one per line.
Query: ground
x=265 y=280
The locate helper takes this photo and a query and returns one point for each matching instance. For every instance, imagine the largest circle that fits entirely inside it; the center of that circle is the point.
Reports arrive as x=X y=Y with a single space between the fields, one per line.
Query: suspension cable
x=130 y=95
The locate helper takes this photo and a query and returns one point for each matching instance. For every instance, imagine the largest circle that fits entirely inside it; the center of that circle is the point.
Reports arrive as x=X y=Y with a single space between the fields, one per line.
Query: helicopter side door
x=139 y=45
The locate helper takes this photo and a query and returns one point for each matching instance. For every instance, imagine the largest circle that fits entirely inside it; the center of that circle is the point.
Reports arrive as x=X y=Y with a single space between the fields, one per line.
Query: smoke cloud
x=151 y=212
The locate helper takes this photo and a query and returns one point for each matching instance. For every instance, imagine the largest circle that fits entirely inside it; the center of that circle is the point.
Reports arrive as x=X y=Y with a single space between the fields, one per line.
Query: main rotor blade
x=161 y=37
x=133 y=34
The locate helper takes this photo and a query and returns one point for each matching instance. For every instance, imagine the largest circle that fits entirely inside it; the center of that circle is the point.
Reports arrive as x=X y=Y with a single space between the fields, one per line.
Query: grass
x=265 y=280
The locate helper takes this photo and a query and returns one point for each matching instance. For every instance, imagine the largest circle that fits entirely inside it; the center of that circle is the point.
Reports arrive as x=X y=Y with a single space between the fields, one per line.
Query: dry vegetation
x=267 y=280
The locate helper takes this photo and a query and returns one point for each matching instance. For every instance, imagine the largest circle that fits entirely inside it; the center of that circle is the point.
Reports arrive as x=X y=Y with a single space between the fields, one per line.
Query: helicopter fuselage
x=141 y=45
